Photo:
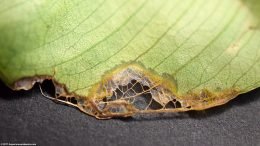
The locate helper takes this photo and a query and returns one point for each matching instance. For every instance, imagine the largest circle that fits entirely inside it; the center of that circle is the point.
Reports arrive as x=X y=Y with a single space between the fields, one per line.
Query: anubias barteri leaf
x=124 y=57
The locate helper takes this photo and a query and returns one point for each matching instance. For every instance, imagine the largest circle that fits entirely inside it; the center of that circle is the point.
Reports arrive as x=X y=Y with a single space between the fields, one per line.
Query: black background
x=28 y=117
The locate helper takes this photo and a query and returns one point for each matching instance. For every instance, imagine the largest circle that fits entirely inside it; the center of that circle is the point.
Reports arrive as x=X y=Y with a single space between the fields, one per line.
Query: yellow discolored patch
x=131 y=89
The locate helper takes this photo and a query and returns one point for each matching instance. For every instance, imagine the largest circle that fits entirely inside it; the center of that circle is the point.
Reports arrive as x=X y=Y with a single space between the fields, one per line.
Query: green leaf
x=182 y=54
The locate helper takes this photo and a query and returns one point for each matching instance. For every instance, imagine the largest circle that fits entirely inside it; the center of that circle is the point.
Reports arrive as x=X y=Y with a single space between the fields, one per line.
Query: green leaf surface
x=195 y=45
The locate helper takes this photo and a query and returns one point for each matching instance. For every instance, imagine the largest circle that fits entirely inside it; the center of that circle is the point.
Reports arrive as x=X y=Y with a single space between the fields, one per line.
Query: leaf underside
x=123 y=57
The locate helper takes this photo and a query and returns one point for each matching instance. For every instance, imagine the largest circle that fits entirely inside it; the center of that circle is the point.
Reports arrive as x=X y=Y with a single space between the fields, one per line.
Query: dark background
x=28 y=117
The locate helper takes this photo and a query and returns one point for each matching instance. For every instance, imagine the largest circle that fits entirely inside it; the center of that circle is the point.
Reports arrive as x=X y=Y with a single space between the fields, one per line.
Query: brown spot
x=131 y=89
x=253 y=27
